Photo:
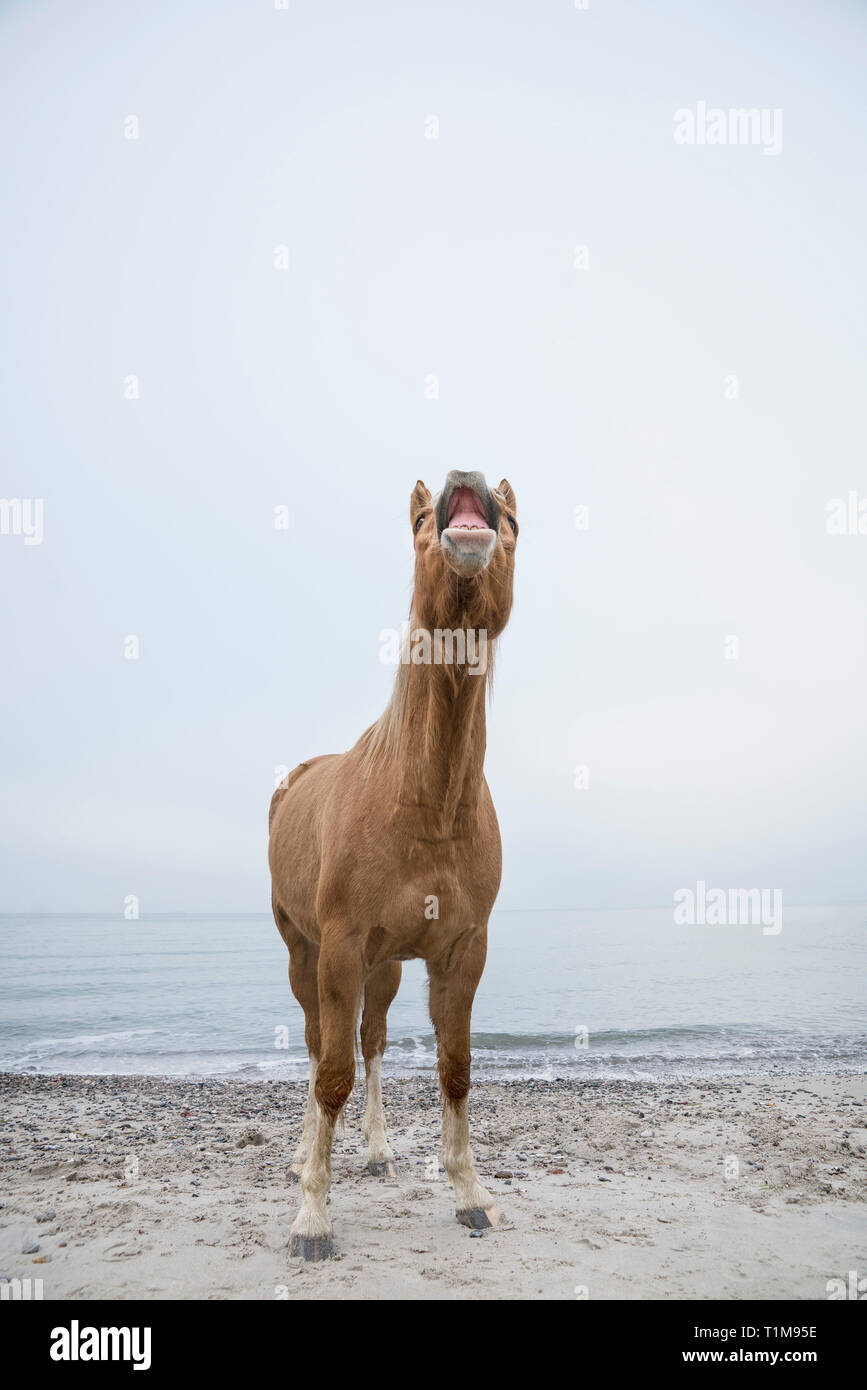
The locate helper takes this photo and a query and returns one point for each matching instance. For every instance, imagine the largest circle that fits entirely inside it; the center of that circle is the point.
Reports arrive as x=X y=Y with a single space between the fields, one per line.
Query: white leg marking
x=312 y=1219
x=308 y=1129
x=459 y=1164
x=373 y=1125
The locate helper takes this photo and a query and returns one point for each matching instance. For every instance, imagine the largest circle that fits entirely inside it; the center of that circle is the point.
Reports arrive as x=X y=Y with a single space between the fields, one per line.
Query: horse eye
x=419 y=521
x=513 y=523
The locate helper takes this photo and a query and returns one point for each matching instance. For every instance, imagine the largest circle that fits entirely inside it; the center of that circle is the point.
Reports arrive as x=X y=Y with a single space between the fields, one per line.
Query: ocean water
x=597 y=994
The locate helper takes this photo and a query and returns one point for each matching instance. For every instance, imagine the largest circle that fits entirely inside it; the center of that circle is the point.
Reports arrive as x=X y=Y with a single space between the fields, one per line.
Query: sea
x=629 y=994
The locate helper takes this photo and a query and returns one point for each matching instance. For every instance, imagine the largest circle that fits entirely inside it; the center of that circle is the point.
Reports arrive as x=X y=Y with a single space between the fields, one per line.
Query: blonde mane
x=382 y=739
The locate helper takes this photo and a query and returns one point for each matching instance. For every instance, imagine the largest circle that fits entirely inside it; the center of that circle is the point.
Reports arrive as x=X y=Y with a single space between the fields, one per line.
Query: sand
x=136 y=1187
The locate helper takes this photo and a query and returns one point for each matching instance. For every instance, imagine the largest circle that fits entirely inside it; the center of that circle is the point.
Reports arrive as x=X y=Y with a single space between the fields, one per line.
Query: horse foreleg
x=308 y=1128
x=303 y=963
x=451 y=999
x=379 y=990
x=340 y=979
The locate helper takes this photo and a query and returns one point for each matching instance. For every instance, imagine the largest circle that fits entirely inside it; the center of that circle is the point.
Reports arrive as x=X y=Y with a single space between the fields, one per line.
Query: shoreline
x=711 y=1187
x=482 y=1075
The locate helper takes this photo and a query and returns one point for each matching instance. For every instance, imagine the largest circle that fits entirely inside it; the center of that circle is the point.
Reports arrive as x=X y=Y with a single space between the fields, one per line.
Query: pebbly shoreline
x=158 y=1187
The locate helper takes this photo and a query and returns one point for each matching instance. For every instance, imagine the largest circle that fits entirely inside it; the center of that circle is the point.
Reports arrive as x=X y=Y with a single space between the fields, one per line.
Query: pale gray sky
x=603 y=387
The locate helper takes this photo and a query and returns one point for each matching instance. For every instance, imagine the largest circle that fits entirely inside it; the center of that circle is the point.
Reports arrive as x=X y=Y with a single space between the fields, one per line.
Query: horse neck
x=441 y=749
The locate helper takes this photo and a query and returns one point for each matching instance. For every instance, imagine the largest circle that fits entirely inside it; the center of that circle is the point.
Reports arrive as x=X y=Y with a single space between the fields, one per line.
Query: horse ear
x=420 y=499
x=508 y=496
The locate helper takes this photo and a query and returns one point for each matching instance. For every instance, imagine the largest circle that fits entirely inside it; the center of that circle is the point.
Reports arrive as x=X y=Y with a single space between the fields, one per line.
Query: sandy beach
x=125 y=1187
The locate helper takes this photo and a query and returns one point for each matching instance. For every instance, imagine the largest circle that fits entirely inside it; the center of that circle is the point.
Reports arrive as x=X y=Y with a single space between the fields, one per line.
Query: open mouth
x=467 y=521
x=466 y=512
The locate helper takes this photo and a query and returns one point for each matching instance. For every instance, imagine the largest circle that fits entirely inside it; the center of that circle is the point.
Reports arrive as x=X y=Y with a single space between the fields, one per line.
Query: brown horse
x=391 y=852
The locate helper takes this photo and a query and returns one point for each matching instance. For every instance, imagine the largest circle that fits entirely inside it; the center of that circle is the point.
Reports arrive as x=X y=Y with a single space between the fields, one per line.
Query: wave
x=698 y=1049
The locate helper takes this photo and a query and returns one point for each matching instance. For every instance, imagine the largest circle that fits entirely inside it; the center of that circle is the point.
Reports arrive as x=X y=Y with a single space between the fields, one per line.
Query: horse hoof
x=380 y=1168
x=478 y=1219
x=314 y=1248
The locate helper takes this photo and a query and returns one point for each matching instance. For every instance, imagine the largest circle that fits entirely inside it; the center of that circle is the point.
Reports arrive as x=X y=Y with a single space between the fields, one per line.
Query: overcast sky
x=694 y=378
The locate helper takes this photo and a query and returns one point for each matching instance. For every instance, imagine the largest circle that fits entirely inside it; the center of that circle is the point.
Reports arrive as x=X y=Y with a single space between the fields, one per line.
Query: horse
x=391 y=852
